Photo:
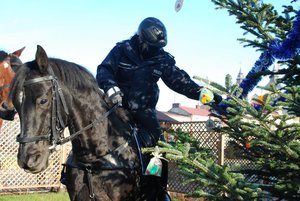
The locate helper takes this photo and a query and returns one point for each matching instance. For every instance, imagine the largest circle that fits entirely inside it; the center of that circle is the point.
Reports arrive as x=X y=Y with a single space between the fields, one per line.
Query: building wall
x=179 y=118
x=199 y=118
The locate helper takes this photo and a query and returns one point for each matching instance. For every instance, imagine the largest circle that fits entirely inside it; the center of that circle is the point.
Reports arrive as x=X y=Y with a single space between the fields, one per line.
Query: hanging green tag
x=154 y=167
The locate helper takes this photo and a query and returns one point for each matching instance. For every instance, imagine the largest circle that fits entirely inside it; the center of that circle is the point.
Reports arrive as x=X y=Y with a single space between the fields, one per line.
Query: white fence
x=15 y=179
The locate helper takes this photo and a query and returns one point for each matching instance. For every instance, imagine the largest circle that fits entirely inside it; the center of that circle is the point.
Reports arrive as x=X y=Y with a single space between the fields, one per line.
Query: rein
x=74 y=135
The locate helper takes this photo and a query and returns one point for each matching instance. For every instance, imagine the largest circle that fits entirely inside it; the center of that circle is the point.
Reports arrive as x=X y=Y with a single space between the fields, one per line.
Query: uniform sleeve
x=107 y=69
x=179 y=81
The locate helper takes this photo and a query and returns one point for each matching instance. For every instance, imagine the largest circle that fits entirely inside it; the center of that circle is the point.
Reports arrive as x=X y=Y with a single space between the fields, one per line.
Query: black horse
x=52 y=94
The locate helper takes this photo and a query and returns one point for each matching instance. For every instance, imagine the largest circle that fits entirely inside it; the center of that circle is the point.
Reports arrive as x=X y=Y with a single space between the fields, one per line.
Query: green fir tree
x=266 y=133
x=271 y=128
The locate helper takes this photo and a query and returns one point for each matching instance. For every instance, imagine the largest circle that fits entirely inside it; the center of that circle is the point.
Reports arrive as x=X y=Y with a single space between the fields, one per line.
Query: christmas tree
x=266 y=129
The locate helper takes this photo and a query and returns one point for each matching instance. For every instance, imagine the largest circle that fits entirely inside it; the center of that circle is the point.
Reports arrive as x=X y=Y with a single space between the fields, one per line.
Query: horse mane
x=74 y=76
x=3 y=55
x=71 y=74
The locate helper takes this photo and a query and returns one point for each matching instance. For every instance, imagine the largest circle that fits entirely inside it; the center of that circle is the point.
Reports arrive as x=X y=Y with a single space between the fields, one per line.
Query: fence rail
x=12 y=177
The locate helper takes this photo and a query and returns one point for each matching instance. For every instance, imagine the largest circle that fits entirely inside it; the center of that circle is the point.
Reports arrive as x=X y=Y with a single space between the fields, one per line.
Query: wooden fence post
x=221 y=147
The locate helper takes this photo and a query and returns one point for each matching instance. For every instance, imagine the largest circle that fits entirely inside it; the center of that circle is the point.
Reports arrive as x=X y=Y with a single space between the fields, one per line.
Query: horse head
x=40 y=90
x=9 y=63
x=15 y=61
x=31 y=94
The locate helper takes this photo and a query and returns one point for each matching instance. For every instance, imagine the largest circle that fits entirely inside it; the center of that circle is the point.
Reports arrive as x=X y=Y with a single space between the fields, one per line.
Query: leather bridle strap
x=58 y=99
x=4 y=86
x=59 y=94
x=20 y=137
x=39 y=79
x=32 y=139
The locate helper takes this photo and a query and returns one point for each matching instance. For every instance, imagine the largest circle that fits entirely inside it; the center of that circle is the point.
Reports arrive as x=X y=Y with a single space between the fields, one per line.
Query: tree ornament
x=210 y=125
x=247 y=145
x=178 y=5
x=206 y=96
x=155 y=165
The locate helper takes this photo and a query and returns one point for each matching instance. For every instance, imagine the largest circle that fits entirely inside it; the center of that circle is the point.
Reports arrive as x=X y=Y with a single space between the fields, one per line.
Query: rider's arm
x=106 y=71
x=178 y=80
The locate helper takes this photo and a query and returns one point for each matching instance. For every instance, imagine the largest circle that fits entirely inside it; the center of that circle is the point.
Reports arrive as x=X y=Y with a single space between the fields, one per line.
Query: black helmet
x=153 y=32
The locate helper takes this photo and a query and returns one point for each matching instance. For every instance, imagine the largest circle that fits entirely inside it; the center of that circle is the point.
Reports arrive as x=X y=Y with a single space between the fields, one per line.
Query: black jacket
x=137 y=78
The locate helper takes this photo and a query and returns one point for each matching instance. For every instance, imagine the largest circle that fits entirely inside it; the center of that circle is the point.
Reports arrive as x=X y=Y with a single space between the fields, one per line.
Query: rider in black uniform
x=130 y=72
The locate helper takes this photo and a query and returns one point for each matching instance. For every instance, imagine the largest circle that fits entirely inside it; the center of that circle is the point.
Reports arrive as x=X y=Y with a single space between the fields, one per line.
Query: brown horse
x=8 y=64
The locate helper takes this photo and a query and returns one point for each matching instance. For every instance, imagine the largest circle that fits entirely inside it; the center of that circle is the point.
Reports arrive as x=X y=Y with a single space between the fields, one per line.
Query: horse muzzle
x=7 y=113
x=32 y=158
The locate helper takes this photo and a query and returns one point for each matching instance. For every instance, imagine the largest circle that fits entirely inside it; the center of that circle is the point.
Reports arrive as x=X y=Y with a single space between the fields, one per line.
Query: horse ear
x=41 y=59
x=19 y=52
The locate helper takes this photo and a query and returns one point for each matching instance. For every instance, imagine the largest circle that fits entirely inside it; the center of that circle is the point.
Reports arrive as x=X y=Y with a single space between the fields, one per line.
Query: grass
x=63 y=196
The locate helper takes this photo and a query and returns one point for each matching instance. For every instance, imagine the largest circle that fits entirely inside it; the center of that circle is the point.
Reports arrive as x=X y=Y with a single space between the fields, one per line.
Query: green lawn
x=63 y=196
x=36 y=197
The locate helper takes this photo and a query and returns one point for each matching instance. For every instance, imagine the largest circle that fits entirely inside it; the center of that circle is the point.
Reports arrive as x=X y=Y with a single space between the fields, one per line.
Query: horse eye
x=43 y=101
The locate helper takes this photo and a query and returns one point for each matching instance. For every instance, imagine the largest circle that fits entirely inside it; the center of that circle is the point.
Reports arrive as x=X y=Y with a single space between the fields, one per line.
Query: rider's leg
x=147 y=120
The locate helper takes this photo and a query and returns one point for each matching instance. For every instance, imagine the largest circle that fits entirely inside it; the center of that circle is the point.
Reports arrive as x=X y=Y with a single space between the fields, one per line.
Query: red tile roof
x=195 y=111
x=189 y=111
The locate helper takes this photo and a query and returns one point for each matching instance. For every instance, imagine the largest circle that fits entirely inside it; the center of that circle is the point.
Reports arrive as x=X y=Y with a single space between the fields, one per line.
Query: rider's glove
x=115 y=95
x=217 y=99
x=207 y=96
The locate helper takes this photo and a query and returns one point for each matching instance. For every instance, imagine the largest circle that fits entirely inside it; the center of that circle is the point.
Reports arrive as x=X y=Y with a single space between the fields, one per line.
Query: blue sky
x=202 y=40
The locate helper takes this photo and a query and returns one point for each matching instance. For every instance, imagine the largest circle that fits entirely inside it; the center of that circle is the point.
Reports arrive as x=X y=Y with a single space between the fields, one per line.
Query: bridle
x=58 y=124
x=4 y=86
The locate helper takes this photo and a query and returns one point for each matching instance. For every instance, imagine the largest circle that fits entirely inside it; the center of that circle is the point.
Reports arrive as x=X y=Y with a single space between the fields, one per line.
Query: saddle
x=142 y=139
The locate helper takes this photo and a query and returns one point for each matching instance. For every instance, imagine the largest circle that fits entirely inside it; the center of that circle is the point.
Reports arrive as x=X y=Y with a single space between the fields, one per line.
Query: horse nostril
x=25 y=167
x=33 y=160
